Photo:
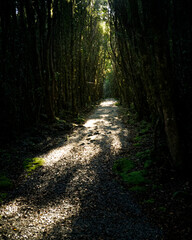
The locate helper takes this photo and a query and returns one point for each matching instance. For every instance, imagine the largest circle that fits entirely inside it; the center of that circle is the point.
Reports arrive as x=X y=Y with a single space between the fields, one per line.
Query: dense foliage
x=52 y=58
x=151 y=42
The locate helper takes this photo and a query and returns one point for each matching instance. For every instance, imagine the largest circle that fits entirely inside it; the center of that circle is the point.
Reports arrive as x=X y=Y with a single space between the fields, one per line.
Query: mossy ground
x=124 y=168
x=166 y=196
x=30 y=164
x=136 y=180
x=123 y=165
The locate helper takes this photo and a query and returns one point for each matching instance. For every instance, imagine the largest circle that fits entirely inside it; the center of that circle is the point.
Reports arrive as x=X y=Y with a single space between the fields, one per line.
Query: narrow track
x=74 y=196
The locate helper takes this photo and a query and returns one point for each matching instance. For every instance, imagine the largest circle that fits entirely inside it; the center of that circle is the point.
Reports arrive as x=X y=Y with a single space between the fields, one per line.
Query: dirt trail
x=74 y=196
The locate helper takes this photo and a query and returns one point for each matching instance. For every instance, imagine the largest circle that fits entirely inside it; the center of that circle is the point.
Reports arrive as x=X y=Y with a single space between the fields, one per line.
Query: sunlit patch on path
x=74 y=195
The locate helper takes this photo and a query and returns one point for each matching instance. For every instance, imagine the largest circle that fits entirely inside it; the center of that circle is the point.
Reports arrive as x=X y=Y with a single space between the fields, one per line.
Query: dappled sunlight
x=46 y=217
x=73 y=196
x=84 y=176
x=116 y=144
x=105 y=115
x=55 y=196
x=80 y=136
x=93 y=122
x=57 y=154
x=73 y=149
x=107 y=103
x=21 y=211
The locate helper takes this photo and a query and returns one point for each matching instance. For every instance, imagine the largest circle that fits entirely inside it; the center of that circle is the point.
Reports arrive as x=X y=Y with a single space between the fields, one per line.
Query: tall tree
x=152 y=50
x=51 y=59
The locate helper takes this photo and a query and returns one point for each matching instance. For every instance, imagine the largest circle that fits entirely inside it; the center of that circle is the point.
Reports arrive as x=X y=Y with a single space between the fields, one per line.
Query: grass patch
x=144 y=154
x=135 y=172
x=138 y=138
x=144 y=126
x=135 y=178
x=137 y=144
x=122 y=166
x=144 y=130
x=30 y=164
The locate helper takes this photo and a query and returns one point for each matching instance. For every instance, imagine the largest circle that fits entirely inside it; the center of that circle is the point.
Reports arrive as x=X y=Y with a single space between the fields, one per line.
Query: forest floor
x=75 y=194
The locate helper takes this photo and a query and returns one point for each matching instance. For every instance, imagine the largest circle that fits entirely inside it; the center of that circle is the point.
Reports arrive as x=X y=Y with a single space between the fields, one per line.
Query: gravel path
x=74 y=195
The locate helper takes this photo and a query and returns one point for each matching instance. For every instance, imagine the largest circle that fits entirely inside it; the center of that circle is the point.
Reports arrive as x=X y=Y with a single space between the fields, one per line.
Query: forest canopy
x=52 y=58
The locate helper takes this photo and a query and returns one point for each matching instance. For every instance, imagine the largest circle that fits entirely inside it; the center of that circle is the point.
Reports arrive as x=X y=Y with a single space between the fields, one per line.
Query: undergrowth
x=124 y=167
x=134 y=171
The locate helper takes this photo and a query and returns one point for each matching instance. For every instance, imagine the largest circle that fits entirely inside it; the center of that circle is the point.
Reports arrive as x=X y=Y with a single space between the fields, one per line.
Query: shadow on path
x=74 y=196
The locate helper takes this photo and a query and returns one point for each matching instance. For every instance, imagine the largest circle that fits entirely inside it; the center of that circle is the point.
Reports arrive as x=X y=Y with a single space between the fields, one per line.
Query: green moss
x=138 y=138
x=30 y=164
x=144 y=127
x=134 y=178
x=137 y=144
x=144 y=154
x=144 y=124
x=122 y=166
x=5 y=183
x=144 y=130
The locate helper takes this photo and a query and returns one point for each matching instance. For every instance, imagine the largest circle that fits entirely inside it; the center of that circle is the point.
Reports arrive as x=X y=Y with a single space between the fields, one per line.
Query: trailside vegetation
x=56 y=59
x=52 y=60
x=151 y=46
